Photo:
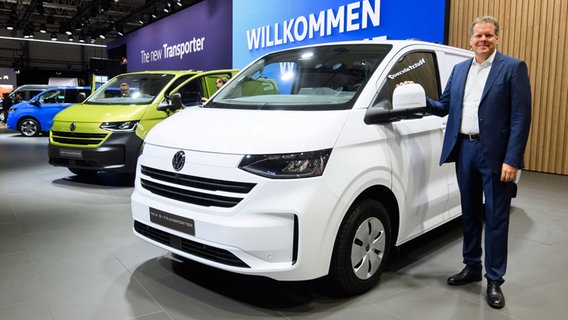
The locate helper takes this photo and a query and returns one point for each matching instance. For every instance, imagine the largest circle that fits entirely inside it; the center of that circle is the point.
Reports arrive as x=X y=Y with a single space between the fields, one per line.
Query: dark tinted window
x=72 y=95
x=419 y=67
x=191 y=92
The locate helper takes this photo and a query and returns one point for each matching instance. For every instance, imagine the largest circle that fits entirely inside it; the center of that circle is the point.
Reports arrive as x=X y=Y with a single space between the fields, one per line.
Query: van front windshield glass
x=327 y=77
x=131 y=89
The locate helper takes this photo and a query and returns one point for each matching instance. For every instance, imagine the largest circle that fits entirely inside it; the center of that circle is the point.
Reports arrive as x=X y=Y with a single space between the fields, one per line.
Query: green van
x=106 y=131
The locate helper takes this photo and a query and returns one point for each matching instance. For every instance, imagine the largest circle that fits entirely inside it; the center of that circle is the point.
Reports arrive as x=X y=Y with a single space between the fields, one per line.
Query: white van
x=306 y=164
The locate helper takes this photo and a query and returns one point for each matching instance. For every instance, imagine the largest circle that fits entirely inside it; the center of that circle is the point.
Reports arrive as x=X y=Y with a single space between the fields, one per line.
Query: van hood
x=101 y=113
x=20 y=105
x=249 y=131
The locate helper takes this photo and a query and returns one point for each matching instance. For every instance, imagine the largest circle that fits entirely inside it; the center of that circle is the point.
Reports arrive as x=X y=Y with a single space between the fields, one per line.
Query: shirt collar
x=487 y=62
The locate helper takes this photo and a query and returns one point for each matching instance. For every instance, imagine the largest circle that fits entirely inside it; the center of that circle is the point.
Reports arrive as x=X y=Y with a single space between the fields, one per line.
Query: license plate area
x=172 y=221
x=71 y=154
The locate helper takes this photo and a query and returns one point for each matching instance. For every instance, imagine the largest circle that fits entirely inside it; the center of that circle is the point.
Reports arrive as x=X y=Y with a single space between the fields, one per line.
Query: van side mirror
x=175 y=104
x=408 y=102
x=34 y=102
x=81 y=96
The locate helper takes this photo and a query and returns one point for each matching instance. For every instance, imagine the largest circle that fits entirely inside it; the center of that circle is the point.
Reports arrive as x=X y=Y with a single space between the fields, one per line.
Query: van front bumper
x=221 y=216
x=118 y=153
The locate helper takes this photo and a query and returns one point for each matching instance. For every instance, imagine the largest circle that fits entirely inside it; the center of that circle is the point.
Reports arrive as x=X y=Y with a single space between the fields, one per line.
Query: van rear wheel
x=361 y=248
x=29 y=127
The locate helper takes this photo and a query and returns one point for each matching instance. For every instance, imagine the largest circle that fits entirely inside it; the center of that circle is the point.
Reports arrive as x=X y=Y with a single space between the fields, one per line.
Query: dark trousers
x=475 y=179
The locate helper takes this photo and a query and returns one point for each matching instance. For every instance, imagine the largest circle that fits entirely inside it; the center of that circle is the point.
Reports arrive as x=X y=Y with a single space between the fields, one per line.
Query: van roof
x=32 y=86
x=396 y=44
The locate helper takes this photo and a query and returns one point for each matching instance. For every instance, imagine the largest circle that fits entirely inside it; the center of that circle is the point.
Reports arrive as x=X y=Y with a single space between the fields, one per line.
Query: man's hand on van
x=404 y=83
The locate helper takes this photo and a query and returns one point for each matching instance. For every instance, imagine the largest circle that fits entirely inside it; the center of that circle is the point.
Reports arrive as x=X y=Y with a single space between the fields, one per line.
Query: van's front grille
x=78 y=138
x=201 y=188
x=195 y=248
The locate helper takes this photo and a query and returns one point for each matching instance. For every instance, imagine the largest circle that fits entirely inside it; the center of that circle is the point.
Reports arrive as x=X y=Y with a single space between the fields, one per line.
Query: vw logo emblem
x=72 y=126
x=178 y=160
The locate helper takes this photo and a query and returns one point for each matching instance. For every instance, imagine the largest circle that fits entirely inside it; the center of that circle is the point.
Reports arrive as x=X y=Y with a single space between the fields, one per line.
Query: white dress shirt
x=476 y=79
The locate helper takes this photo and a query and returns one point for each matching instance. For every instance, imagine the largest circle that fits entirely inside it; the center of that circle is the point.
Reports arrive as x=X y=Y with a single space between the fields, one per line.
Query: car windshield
x=131 y=89
x=327 y=77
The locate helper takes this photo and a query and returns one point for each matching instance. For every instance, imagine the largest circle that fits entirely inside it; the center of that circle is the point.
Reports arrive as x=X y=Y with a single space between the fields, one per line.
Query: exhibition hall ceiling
x=82 y=20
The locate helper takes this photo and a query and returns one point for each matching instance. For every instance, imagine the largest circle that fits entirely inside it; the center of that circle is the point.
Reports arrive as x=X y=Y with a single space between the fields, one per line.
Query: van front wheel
x=29 y=127
x=361 y=248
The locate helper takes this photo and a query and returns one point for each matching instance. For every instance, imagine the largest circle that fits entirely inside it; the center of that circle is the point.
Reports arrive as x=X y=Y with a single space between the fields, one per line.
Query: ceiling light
x=71 y=39
x=43 y=28
x=29 y=32
x=119 y=29
x=54 y=36
x=10 y=26
x=168 y=7
x=179 y=3
x=82 y=39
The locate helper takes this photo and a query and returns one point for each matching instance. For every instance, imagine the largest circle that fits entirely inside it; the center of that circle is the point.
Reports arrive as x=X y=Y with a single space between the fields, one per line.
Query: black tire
x=83 y=172
x=362 y=248
x=29 y=127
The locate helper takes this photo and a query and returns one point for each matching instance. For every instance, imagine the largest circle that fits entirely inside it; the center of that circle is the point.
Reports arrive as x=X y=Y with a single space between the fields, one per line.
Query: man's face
x=124 y=90
x=484 y=40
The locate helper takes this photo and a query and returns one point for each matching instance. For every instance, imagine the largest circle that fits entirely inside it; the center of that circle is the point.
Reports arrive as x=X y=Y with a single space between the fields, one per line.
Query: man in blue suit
x=488 y=100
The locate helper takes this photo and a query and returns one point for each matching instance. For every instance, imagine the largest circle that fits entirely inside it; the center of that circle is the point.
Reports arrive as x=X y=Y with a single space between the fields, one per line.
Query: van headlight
x=119 y=126
x=287 y=166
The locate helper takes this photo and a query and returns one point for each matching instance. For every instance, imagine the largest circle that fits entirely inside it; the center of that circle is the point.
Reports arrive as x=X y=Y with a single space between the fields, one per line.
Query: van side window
x=53 y=96
x=177 y=82
x=211 y=80
x=72 y=95
x=191 y=92
x=419 y=67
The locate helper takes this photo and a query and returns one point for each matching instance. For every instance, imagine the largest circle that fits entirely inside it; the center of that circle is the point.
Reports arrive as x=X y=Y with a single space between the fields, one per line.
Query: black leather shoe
x=464 y=277
x=495 y=296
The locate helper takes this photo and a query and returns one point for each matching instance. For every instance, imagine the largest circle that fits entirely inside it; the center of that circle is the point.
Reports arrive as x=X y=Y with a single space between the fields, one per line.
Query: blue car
x=36 y=115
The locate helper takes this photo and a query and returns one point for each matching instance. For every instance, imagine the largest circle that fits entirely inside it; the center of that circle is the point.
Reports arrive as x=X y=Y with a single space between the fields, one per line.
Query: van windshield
x=131 y=89
x=327 y=77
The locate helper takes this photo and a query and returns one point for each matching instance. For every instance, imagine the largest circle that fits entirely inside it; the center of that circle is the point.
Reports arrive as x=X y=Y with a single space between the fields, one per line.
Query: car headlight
x=287 y=166
x=119 y=126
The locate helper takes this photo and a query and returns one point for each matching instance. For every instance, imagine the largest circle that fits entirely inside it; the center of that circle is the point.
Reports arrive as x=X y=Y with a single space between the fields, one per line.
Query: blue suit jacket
x=504 y=112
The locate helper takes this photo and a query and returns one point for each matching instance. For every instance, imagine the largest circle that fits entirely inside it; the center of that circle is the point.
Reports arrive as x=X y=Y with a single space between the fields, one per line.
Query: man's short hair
x=488 y=19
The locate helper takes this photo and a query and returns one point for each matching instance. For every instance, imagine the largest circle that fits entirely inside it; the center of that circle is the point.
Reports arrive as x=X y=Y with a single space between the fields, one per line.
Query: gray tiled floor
x=67 y=252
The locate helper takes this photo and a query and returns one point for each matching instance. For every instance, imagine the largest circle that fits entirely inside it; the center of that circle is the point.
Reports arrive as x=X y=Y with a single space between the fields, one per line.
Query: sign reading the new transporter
x=197 y=37
x=261 y=26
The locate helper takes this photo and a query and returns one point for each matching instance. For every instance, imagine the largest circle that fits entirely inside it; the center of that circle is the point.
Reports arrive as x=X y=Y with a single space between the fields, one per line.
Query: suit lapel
x=461 y=80
x=493 y=73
